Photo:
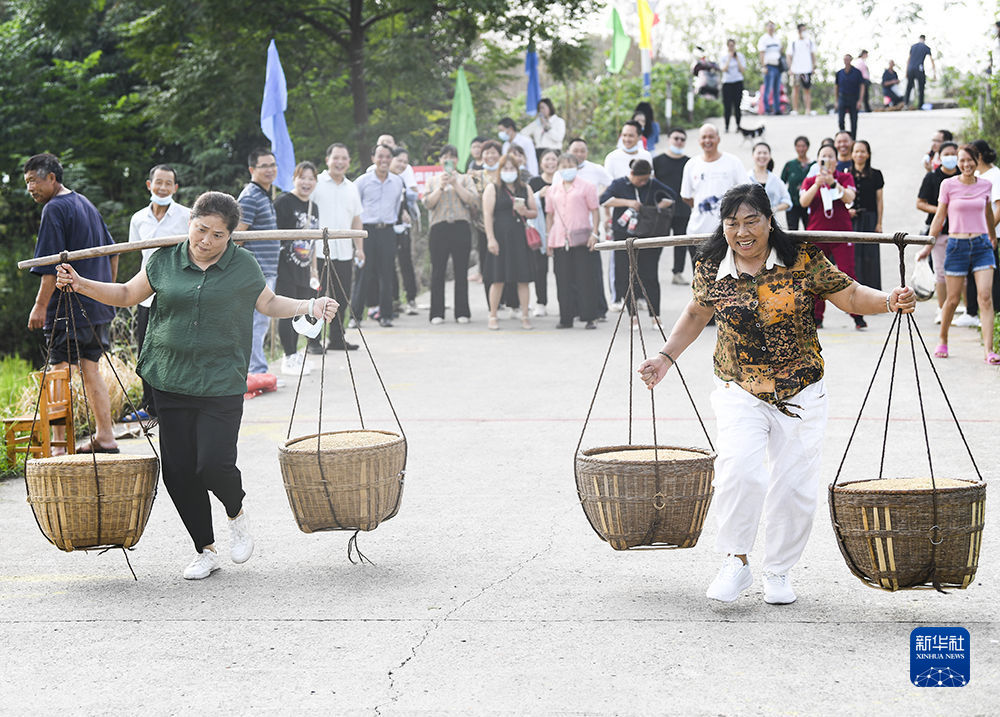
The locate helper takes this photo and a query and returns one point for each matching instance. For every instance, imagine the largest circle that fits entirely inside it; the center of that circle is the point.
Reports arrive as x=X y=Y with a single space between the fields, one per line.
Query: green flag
x=463 y=118
x=620 y=43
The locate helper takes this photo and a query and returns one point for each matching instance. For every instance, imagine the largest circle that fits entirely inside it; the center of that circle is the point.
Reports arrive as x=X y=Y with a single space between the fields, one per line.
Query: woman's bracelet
x=888 y=297
x=668 y=356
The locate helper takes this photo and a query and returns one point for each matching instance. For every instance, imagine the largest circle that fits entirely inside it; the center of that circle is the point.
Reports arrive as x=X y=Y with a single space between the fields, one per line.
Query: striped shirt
x=257 y=212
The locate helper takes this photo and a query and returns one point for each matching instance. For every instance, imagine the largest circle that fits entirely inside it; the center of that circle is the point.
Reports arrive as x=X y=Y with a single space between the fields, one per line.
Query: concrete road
x=490 y=593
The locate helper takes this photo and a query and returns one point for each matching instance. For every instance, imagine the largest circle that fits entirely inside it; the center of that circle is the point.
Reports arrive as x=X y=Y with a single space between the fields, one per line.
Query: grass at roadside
x=15 y=374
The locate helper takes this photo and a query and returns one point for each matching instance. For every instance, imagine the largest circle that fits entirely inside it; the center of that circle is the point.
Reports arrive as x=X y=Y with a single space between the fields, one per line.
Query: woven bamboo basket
x=352 y=481
x=885 y=527
x=80 y=509
x=633 y=500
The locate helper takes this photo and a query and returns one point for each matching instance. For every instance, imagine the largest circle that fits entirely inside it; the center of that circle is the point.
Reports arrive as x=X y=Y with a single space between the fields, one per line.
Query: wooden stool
x=54 y=409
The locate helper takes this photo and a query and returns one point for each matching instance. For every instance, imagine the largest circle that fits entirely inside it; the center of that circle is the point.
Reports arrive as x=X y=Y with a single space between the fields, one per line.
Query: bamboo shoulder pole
x=239 y=237
x=825 y=237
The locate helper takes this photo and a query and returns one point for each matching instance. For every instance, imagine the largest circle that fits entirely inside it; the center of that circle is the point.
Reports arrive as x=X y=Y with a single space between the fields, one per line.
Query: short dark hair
x=801 y=138
x=257 y=154
x=377 y=147
x=576 y=139
x=752 y=194
x=400 y=150
x=163 y=168
x=44 y=164
x=336 y=145
x=677 y=129
x=548 y=103
x=633 y=123
x=217 y=204
x=986 y=152
x=800 y=26
x=945 y=145
x=946 y=135
x=640 y=167
x=508 y=123
x=842 y=131
x=448 y=149
x=479 y=139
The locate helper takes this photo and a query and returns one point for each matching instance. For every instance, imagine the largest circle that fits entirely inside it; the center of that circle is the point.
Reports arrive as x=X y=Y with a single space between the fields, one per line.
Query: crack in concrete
x=393 y=694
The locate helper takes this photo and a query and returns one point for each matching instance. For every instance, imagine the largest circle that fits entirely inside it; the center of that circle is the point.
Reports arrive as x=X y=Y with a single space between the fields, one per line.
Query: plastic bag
x=922 y=280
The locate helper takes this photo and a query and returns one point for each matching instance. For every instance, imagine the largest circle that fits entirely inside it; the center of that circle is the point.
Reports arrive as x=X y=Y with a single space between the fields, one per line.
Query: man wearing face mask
x=508 y=134
x=669 y=169
x=617 y=162
x=162 y=217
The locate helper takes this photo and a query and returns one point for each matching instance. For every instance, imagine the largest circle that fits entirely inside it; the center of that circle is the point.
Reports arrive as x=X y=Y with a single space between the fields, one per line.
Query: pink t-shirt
x=840 y=218
x=571 y=205
x=966 y=204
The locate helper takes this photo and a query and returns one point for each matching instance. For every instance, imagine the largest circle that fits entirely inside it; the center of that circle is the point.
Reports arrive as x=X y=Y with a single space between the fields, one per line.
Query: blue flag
x=272 y=119
x=534 y=91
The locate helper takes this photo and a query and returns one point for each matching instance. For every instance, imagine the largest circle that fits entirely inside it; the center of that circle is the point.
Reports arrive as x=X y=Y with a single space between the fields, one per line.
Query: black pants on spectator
x=575 y=285
x=867 y=257
x=972 y=296
x=452 y=239
x=919 y=79
x=732 y=95
x=337 y=285
x=288 y=335
x=481 y=250
x=678 y=226
x=377 y=274
x=796 y=214
x=597 y=277
x=198 y=454
x=541 y=277
x=647 y=268
x=848 y=106
x=141 y=323
x=404 y=259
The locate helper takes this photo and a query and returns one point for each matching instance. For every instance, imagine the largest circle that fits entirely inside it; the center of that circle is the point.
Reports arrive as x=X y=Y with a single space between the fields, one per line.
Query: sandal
x=941 y=351
x=526 y=324
x=993 y=359
x=492 y=324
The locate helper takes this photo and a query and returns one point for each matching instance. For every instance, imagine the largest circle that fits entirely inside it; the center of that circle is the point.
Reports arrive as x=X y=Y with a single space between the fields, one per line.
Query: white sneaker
x=411 y=308
x=616 y=306
x=734 y=577
x=778 y=589
x=291 y=365
x=966 y=320
x=462 y=319
x=937 y=317
x=679 y=279
x=242 y=543
x=437 y=320
x=204 y=565
x=540 y=310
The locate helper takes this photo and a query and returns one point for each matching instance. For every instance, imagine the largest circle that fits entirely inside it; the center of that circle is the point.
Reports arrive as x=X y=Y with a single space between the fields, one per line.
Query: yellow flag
x=645 y=25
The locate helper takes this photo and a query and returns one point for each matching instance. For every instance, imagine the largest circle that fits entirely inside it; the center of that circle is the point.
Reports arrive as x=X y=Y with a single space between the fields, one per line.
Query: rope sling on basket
x=898 y=534
x=96 y=501
x=343 y=480
x=643 y=496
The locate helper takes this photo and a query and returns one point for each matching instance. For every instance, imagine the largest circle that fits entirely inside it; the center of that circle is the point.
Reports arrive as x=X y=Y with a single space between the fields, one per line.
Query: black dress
x=867 y=264
x=513 y=265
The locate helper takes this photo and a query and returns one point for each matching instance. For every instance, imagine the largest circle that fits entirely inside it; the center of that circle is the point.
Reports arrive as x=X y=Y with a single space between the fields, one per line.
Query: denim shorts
x=966 y=255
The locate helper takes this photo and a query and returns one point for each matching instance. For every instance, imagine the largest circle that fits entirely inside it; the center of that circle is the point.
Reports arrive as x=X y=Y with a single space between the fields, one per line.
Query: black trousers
x=867 y=261
x=450 y=239
x=732 y=94
x=848 y=106
x=919 y=79
x=338 y=285
x=283 y=286
x=141 y=324
x=198 y=454
x=795 y=214
x=376 y=276
x=597 y=277
x=678 y=226
x=574 y=285
x=647 y=268
x=404 y=259
x=481 y=250
x=541 y=277
x=972 y=295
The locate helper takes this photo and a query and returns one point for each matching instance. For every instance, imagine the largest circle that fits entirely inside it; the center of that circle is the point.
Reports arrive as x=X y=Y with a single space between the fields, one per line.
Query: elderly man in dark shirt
x=849 y=82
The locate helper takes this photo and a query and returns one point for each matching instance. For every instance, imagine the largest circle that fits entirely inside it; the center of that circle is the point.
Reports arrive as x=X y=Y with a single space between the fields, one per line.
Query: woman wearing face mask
x=866 y=214
x=826 y=196
x=482 y=178
x=547 y=130
x=965 y=201
x=927 y=202
x=762 y=173
x=733 y=64
x=507 y=202
x=547 y=162
x=572 y=215
x=297 y=259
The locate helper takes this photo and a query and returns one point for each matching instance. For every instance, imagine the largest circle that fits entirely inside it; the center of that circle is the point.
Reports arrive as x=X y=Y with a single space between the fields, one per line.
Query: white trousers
x=768 y=463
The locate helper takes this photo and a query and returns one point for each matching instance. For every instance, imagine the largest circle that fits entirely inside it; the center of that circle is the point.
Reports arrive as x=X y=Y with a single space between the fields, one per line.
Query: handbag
x=922 y=280
x=652 y=221
x=531 y=235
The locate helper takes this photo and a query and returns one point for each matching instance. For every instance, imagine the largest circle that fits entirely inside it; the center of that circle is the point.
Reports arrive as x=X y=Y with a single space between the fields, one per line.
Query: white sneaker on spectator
x=202 y=566
x=462 y=319
x=679 y=279
x=966 y=320
x=437 y=320
x=411 y=308
x=734 y=577
x=616 y=306
x=241 y=547
x=291 y=365
x=778 y=589
x=540 y=310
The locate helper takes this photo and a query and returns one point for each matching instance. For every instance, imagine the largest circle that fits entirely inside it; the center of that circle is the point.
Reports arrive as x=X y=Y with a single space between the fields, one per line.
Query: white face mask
x=675 y=150
x=161 y=201
x=491 y=167
x=623 y=148
x=950 y=161
x=508 y=175
x=568 y=174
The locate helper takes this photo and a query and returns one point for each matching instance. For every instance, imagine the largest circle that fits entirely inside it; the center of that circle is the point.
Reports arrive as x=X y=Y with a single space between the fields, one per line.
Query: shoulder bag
x=653 y=221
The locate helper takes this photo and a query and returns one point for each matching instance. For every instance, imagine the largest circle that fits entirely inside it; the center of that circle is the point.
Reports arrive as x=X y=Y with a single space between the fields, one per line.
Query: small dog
x=749 y=134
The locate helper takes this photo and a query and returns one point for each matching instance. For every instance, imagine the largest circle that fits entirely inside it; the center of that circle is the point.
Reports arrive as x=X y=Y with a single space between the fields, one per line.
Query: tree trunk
x=359 y=91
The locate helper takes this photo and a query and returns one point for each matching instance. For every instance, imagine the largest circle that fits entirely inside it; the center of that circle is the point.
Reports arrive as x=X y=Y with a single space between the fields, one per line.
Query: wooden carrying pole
x=239 y=237
x=824 y=237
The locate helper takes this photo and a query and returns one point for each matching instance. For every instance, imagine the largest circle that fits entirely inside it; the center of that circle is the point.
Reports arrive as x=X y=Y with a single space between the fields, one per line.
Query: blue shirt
x=380 y=200
x=849 y=83
x=918 y=53
x=257 y=212
x=70 y=222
